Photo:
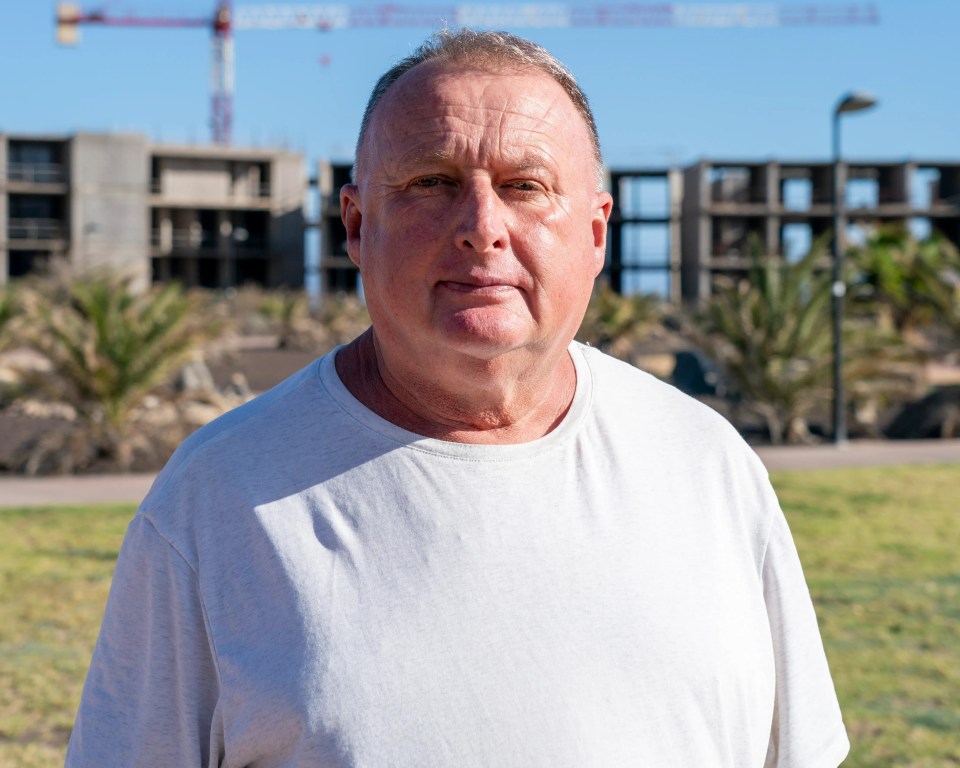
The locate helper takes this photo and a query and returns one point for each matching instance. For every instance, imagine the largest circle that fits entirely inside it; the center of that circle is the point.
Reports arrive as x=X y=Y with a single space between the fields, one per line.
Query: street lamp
x=851 y=102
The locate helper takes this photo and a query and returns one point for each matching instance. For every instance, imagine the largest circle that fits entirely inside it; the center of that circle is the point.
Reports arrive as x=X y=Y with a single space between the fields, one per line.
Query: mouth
x=473 y=286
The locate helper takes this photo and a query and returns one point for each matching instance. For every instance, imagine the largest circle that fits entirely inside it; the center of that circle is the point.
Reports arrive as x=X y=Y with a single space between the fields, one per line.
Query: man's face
x=475 y=222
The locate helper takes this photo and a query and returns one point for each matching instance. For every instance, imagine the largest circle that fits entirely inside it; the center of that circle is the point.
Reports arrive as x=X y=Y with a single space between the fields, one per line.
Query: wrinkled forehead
x=429 y=75
x=429 y=95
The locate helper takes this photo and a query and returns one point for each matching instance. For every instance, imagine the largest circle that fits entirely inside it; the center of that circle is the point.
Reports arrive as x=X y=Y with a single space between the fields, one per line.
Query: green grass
x=881 y=550
x=55 y=569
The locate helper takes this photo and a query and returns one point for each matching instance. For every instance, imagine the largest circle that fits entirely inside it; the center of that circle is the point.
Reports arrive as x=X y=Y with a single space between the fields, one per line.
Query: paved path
x=97 y=489
x=86 y=489
x=859 y=453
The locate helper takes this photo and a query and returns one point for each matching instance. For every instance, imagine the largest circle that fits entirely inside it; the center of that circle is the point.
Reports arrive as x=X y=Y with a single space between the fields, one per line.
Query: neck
x=480 y=401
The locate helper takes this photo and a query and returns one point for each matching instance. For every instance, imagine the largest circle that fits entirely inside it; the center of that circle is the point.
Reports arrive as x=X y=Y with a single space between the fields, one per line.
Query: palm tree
x=343 y=317
x=9 y=317
x=612 y=318
x=910 y=283
x=771 y=333
x=286 y=309
x=109 y=347
x=8 y=311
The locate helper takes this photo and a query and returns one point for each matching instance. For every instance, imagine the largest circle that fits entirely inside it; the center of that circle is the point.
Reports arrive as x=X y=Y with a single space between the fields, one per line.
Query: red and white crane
x=531 y=15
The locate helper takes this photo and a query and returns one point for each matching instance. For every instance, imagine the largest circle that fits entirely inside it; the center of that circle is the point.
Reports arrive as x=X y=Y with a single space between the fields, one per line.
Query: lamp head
x=855 y=101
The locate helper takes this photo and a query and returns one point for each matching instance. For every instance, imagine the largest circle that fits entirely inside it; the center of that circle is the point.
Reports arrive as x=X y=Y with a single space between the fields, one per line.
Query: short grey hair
x=496 y=51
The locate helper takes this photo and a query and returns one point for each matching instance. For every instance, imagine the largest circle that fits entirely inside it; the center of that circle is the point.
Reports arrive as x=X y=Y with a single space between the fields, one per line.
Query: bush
x=109 y=348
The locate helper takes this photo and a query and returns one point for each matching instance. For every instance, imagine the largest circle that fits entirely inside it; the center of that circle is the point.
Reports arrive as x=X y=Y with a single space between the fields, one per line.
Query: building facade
x=336 y=272
x=779 y=209
x=206 y=216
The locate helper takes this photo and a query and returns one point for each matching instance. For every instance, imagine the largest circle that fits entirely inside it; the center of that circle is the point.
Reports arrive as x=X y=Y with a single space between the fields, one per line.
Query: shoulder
x=677 y=444
x=224 y=467
x=643 y=402
x=264 y=419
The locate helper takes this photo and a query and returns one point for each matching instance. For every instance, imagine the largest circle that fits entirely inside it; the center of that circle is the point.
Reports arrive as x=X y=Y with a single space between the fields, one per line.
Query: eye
x=524 y=185
x=427 y=182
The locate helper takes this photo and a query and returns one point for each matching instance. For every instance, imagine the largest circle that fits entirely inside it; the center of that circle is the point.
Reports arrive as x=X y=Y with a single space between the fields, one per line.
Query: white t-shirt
x=309 y=585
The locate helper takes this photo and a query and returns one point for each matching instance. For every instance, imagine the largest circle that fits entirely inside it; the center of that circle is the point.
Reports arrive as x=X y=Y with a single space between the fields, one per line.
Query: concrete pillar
x=695 y=245
x=109 y=216
x=226 y=267
x=4 y=252
x=165 y=222
x=771 y=234
x=675 y=190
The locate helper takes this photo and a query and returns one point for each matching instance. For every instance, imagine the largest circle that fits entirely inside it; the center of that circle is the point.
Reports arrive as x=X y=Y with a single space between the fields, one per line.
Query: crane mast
x=221 y=76
x=533 y=15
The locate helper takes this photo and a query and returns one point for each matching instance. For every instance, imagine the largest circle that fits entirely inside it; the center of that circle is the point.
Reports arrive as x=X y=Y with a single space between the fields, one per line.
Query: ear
x=602 y=206
x=352 y=217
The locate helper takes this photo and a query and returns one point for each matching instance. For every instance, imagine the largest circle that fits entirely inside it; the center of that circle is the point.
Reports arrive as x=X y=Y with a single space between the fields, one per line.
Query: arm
x=153 y=684
x=807 y=729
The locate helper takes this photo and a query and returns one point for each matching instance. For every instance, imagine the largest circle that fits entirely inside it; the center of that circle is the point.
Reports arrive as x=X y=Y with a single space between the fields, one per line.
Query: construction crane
x=226 y=19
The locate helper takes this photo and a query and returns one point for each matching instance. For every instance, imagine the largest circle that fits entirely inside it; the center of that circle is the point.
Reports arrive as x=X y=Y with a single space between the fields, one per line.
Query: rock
x=660 y=365
x=696 y=374
x=197 y=414
x=41 y=409
x=238 y=387
x=25 y=360
x=934 y=416
x=195 y=376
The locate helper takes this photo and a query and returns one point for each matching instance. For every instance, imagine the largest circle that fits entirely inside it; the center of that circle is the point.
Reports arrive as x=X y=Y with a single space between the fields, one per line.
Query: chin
x=485 y=340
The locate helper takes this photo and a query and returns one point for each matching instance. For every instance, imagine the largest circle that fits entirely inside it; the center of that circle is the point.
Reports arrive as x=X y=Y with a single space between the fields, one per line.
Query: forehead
x=439 y=109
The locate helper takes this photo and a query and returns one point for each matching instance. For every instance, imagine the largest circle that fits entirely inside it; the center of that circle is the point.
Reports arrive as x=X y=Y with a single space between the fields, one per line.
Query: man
x=463 y=540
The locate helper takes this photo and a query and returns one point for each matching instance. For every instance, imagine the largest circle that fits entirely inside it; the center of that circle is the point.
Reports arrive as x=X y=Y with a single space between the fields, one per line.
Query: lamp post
x=851 y=102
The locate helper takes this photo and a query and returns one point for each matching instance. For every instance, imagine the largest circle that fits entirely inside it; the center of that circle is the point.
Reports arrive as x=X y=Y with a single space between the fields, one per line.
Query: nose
x=482 y=224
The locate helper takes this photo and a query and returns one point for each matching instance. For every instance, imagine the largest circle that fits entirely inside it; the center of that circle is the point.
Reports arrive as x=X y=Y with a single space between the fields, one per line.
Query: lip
x=474 y=285
x=478 y=285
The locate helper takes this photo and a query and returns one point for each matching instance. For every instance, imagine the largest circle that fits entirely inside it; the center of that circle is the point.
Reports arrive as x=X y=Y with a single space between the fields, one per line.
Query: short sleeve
x=807 y=729
x=152 y=687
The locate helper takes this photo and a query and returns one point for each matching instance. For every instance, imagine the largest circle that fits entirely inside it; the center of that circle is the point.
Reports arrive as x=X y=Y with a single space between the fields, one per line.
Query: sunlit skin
x=478 y=230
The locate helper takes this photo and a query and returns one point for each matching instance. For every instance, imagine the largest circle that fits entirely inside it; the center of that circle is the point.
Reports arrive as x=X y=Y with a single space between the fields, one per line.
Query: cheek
x=388 y=243
x=397 y=265
x=566 y=270
x=564 y=252
x=402 y=228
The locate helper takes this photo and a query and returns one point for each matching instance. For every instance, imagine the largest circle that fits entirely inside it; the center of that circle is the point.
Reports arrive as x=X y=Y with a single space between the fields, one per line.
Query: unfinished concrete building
x=82 y=198
x=781 y=208
x=643 y=241
x=209 y=216
x=222 y=216
x=336 y=272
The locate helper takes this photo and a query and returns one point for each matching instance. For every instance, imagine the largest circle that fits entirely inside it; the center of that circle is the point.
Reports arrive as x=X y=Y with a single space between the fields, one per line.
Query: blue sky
x=661 y=95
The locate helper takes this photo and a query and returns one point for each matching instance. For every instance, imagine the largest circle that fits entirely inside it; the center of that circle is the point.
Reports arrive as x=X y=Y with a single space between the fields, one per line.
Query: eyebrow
x=525 y=161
